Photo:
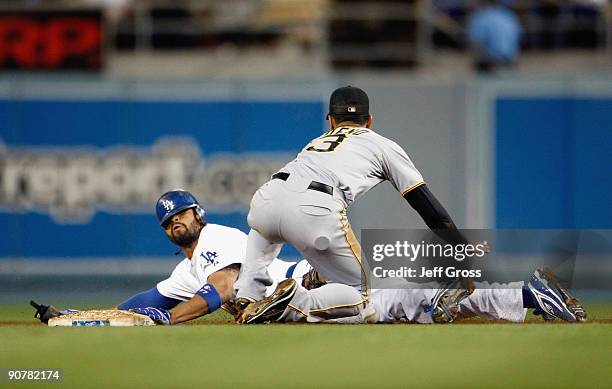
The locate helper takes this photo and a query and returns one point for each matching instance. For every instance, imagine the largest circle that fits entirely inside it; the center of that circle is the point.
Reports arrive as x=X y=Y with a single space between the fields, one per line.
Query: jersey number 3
x=326 y=143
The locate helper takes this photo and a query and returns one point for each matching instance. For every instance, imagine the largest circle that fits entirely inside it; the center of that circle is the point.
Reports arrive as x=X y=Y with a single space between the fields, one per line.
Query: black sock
x=528 y=298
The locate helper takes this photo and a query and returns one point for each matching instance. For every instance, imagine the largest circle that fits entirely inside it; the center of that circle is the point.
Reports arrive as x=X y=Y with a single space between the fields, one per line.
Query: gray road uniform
x=305 y=205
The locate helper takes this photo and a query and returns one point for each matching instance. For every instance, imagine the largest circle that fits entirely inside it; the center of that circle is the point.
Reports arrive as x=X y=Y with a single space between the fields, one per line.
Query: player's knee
x=251 y=219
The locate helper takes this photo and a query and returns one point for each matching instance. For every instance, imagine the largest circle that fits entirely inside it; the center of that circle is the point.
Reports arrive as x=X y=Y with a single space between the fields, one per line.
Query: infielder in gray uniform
x=305 y=204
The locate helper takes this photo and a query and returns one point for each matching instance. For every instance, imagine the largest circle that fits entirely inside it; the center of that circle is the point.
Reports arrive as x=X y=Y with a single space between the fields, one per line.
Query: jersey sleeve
x=181 y=284
x=399 y=169
x=231 y=250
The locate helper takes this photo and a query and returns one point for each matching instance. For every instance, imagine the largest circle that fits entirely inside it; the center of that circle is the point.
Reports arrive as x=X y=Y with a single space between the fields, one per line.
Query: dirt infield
x=217 y=322
x=599 y=313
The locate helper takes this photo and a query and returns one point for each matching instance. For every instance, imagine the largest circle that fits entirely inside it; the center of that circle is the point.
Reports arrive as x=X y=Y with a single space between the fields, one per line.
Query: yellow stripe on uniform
x=337 y=306
x=353 y=243
x=412 y=187
x=298 y=310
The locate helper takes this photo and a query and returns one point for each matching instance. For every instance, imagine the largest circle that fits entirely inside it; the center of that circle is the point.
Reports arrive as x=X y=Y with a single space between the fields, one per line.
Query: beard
x=186 y=236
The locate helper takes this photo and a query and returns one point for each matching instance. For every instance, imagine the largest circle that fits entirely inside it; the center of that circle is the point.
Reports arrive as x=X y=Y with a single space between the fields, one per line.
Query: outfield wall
x=83 y=160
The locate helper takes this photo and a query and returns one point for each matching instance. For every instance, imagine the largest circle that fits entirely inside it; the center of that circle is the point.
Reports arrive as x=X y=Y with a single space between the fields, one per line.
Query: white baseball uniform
x=350 y=161
x=488 y=301
x=218 y=247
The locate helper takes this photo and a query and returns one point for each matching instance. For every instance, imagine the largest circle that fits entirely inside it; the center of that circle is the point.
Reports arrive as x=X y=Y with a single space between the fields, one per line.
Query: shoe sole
x=454 y=292
x=275 y=299
x=572 y=303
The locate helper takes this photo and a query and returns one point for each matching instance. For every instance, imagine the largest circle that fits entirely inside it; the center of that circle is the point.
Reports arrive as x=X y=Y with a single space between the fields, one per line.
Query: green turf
x=316 y=356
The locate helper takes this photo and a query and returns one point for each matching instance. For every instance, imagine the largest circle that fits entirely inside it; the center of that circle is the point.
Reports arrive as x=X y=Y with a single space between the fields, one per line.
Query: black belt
x=314 y=185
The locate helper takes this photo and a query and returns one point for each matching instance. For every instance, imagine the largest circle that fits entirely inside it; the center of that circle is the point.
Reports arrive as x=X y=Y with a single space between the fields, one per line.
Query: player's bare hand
x=485 y=246
x=482 y=245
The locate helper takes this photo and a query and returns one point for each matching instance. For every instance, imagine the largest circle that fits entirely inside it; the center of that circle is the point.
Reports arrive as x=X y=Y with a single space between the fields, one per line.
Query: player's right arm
x=401 y=172
x=434 y=214
x=218 y=290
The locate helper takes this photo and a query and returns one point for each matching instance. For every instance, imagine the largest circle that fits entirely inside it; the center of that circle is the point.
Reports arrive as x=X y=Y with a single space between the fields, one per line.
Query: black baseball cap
x=349 y=100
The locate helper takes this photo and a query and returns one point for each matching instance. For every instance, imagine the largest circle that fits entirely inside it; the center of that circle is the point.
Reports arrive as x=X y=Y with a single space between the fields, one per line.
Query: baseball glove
x=236 y=307
x=313 y=279
x=45 y=312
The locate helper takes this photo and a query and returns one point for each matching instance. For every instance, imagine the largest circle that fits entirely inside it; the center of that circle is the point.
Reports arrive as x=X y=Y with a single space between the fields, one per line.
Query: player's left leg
x=510 y=301
x=291 y=302
x=330 y=301
x=313 y=301
x=495 y=302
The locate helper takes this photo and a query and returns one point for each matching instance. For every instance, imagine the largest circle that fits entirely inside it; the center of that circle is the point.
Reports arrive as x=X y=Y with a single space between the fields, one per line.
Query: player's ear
x=332 y=122
x=369 y=121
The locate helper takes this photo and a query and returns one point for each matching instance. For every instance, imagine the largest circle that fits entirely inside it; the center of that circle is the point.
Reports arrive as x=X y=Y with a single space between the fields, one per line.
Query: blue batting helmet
x=175 y=201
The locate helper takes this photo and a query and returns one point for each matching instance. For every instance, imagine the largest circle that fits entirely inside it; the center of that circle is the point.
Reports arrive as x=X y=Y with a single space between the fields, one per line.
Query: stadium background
x=214 y=98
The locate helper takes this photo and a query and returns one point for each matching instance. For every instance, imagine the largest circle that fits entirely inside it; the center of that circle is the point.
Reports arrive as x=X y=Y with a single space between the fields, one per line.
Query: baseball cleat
x=552 y=300
x=444 y=307
x=272 y=307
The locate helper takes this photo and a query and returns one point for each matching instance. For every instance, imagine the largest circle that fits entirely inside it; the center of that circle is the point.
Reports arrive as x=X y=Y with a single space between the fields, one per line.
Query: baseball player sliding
x=305 y=204
x=204 y=280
